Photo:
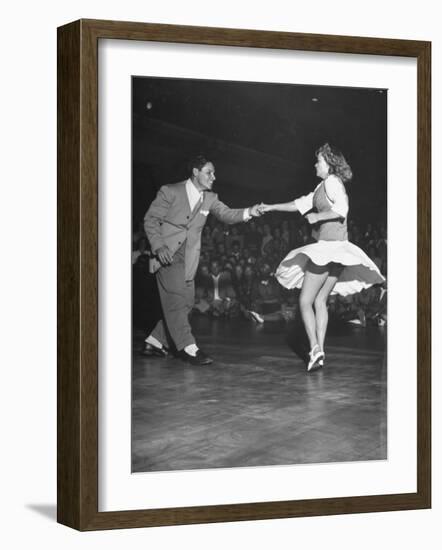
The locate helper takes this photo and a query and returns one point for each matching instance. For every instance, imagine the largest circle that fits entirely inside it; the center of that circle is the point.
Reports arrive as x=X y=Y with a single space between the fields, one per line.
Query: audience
x=235 y=274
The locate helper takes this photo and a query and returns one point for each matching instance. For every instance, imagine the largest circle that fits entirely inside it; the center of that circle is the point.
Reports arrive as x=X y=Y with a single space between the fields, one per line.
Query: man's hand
x=255 y=211
x=312 y=218
x=164 y=255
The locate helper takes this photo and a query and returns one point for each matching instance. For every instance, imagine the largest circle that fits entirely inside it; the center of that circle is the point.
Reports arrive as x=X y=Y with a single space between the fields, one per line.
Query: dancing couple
x=332 y=264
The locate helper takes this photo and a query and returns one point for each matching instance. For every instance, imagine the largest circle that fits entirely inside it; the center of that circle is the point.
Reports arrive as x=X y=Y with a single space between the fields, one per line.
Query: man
x=173 y=225
x=221 y=294
x=266 y=297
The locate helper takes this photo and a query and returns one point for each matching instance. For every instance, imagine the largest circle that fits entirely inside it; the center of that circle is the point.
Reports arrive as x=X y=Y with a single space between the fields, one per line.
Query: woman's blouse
x=329 y=195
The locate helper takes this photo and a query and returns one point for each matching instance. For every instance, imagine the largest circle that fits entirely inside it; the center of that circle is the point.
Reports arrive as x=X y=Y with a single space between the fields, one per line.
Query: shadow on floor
x=48 y=511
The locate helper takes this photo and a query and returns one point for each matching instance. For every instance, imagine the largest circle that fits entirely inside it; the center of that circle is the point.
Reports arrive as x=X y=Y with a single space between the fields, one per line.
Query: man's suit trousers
x=177 y=298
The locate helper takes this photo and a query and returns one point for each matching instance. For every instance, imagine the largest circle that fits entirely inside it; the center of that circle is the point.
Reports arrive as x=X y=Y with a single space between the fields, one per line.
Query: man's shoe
x=199 y=359
x=153 y=351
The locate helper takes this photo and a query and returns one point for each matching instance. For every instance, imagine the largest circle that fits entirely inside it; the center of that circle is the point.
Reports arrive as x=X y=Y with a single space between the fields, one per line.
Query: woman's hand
x=312 y=218
x=263 y=208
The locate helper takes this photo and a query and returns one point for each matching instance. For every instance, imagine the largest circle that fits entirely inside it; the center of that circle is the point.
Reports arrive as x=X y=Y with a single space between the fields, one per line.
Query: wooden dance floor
x=256 y=405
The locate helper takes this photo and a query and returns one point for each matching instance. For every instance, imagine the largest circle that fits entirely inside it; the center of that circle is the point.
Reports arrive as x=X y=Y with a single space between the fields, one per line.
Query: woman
x=331 y=264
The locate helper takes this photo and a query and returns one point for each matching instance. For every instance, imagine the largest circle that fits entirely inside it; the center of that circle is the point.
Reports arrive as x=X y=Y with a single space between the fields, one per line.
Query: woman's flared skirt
x=358 y=272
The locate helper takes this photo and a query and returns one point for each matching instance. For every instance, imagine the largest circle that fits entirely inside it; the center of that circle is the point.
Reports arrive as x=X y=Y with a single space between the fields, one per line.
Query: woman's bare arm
x=281 y=207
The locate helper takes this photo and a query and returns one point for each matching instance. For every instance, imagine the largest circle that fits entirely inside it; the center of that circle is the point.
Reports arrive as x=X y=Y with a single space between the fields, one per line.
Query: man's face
x=204 y=178
x=214 y=268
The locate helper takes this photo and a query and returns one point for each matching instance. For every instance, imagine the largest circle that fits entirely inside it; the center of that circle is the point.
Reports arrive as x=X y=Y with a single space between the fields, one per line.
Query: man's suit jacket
x=169 y=221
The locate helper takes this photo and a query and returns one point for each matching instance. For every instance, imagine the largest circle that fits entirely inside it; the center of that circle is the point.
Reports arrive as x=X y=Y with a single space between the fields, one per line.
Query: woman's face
x=322 y=168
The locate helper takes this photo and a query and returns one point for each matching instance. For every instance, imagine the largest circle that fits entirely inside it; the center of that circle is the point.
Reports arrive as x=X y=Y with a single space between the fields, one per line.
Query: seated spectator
x=382 y=250
x=252 y=260
x=285 y=233
x=252 y=240
x=375 y=238
x=235 y=252
x=237 y=278
x=233 y=259
x=266 y=297
x=234 y=238
x=348 y=309
x=220 y=250
x=267 y=237
x=276 y=248
x=204 y=258
x=228 y=267
x=376 y=310
x=290 y=304
x=373 y=254
x=356 y=236
x=137 y=233
x=302 y=236
x=332 y=307
x=383 y=236
x=368 y=232
x=141 y=249
x=206 y=240
x=218 y=234
x=201 y=305
x=245 y=287
x=202 y=278
x=382 y=312
x=221 y=294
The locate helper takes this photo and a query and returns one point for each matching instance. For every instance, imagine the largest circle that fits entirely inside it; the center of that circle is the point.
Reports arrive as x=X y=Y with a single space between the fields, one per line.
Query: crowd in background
x=237 y=263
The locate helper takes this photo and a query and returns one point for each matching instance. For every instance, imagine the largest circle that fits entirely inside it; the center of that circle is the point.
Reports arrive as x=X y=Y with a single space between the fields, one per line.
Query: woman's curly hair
x=336 y=161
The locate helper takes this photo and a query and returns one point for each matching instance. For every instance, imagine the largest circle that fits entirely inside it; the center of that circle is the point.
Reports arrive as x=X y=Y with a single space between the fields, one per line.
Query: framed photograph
x=243 y=275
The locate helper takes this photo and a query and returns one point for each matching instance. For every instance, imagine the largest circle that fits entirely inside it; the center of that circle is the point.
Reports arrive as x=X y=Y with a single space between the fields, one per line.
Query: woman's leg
x=321 y=310
x=313 y=282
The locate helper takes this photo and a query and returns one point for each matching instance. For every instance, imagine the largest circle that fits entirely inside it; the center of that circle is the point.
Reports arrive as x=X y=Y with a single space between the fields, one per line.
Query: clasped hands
x=259 y=209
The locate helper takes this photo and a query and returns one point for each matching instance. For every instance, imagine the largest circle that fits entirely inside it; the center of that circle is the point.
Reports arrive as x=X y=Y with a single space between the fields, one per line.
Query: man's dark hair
x=198 y=162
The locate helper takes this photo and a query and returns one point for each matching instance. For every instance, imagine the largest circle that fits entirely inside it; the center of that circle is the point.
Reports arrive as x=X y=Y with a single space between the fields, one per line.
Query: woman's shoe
x=316 y=359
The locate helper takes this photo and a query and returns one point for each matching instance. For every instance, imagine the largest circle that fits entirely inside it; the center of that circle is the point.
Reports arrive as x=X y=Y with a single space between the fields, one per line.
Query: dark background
x=262 y=138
